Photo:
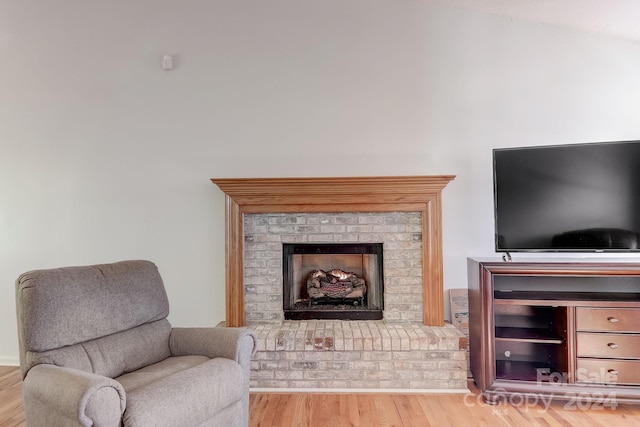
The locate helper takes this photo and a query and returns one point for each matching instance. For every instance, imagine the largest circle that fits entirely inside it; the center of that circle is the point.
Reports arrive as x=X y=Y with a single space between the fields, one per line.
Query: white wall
x=105 y=156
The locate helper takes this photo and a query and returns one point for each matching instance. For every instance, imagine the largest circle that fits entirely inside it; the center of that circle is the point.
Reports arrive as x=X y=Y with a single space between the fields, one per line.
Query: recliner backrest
x=96 y=310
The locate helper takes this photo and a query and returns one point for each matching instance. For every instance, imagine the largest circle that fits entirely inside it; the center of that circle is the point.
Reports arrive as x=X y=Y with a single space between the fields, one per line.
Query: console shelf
x=530 y=334
x=555 y=328
x=523 y=371
x=567 y=296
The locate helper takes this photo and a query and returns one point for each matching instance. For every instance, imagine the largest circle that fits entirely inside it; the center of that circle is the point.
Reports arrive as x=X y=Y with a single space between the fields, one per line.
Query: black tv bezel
x=549 y=250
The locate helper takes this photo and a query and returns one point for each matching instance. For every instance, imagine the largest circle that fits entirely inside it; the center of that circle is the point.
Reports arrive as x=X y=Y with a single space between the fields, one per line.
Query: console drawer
x=622 y=346
x=608 y=371
x=608 y=319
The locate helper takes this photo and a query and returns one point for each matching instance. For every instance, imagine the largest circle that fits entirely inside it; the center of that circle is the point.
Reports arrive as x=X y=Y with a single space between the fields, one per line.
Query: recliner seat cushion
x=151 y=373
x=190 y=390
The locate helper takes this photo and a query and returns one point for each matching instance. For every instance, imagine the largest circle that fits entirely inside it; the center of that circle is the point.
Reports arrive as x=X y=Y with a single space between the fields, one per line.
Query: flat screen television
x=568 y=198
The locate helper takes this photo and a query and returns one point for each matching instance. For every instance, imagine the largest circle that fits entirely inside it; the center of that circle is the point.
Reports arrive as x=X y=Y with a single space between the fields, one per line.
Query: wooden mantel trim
x=345 y=194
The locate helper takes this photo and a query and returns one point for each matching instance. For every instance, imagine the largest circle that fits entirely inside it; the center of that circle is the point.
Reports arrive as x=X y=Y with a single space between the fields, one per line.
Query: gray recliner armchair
x=96 y=349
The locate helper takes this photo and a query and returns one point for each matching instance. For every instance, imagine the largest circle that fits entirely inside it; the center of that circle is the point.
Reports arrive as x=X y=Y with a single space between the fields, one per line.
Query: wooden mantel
x=347 y=194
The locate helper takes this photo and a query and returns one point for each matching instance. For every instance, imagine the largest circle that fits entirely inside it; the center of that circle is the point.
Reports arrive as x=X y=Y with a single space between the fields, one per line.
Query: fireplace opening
x=333 y=281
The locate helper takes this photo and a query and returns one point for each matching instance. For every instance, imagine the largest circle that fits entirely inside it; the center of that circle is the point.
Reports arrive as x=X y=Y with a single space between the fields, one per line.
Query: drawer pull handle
x=612 y=345
x=612 y=371
x=612 y=319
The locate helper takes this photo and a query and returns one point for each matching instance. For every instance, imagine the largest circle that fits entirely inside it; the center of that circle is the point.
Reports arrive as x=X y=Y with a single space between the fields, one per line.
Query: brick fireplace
x=410 y=349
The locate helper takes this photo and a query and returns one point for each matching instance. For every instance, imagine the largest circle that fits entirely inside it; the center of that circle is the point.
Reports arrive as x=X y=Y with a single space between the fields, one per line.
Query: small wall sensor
x=167 y=62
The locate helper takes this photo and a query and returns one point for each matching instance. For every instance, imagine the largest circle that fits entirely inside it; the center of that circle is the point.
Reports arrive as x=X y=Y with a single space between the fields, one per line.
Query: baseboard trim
x=9 y=361
x=361 y=390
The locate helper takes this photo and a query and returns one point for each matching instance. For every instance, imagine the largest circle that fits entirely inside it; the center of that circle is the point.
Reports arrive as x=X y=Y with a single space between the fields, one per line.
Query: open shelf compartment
x=530 y=342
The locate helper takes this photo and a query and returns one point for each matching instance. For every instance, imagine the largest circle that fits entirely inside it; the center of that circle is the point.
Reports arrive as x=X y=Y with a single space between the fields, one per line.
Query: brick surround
x=399 y=232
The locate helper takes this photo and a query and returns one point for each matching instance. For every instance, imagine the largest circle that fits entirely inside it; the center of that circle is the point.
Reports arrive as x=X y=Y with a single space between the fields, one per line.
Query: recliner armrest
x=57 y=396
x=237 y=344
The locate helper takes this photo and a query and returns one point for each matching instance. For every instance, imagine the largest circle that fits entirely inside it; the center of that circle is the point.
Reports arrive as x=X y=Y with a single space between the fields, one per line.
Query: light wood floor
x=381 y=410
x=11 y=397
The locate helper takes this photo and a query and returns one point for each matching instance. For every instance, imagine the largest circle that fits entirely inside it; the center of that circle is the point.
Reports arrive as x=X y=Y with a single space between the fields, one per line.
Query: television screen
x=573 y=198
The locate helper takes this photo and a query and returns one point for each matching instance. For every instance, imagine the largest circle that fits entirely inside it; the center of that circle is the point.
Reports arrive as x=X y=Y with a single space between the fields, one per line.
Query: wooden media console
x=566 y=329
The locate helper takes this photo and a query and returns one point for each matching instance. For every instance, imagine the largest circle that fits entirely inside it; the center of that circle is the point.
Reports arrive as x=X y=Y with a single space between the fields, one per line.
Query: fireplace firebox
x=333 y=281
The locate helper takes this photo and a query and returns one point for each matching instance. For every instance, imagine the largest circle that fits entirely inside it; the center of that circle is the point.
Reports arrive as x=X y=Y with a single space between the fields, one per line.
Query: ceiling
x=617 y=18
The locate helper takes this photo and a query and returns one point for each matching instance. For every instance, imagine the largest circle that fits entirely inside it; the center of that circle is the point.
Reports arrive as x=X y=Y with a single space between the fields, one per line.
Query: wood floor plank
x=350 y=407
x=11 y=412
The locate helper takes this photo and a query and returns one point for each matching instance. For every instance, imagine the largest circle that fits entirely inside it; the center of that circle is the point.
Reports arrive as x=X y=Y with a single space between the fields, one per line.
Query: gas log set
x=335 y=286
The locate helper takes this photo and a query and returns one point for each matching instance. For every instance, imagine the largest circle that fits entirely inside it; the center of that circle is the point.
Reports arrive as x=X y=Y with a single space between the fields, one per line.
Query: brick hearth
x=363 y=355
